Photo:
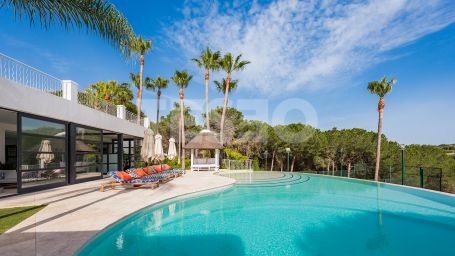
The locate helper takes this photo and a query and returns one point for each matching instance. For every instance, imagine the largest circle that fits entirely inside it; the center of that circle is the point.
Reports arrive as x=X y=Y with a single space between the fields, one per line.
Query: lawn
x=10 y=217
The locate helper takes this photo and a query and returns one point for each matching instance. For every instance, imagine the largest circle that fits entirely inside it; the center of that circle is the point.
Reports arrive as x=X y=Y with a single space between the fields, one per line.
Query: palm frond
x=140 y=46
x=182 y=78
x=135 y=78
x=381 y=87
x=98 y=16
x=221 y=86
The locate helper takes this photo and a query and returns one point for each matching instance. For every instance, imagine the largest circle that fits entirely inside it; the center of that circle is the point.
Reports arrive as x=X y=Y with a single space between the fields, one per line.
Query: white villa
x=52 y=134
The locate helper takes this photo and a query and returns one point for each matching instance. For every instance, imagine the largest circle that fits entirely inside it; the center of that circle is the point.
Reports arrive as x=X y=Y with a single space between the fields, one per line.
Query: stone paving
x=75 y=213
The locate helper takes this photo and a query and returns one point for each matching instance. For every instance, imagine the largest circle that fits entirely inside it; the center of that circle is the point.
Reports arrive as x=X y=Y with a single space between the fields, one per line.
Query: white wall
x=4 y=127
x=20 y=98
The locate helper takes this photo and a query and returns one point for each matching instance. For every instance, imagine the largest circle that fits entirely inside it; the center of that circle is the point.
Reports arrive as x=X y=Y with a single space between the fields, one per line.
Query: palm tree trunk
x=378 y=148
x=333 y=168
x=349 y=169
x=292 y=164
x=273 y=160
x=139 y=93
x=182 y=127
x=180 y=141
x=223 y=115
x=207 y=99
x=158 y=111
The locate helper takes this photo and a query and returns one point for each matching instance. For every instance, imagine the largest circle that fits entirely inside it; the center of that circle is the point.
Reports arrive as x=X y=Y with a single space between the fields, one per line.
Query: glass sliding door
x=42 y=152
x=110 y=153
x=88 y=153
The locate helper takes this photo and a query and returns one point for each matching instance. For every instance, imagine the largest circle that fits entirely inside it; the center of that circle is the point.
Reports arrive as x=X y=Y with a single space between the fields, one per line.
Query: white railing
x=21 y=73
x=91 y=101
x=132 y=117
x=24 y=74
x=237 y=164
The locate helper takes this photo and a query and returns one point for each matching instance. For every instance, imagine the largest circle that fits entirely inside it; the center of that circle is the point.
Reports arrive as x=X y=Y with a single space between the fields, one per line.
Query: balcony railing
x=24 y=74
x=14 y=70
x=132 y=117
x=92 y=101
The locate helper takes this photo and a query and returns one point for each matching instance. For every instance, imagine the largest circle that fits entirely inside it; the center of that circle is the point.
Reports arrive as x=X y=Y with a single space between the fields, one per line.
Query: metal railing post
x=421 y=177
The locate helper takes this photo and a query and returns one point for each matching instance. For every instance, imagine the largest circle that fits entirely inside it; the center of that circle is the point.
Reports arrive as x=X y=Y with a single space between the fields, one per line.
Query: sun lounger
x=153 y=182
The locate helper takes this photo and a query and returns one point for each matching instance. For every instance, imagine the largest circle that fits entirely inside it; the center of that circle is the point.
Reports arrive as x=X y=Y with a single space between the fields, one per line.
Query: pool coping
x=182 y=196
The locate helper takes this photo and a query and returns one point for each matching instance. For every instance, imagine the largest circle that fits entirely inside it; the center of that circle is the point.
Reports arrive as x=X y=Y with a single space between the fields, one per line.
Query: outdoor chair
x=153 y=182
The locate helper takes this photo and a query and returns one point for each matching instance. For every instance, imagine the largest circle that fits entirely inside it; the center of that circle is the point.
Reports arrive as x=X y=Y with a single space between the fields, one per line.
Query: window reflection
x=89 y=150
x=42 y=153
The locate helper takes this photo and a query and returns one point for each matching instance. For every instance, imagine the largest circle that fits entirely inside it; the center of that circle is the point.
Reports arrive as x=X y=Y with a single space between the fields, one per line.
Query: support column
x=120 y=152
x=70 y=90
x=192 y=158
x=146 y=122
x=121 y=112
x=217 y=159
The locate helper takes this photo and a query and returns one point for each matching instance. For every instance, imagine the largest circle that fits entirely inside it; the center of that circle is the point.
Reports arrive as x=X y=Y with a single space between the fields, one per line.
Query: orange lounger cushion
x=124 y=176
x=148 y=171
x=158 y=168
x=166 y=167
x=140 y=172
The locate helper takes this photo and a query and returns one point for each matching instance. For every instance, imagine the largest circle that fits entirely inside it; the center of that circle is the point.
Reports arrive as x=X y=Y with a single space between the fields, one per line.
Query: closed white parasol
x=148 y=146
x=159 y=153
x=172 y=151
x=45 y=155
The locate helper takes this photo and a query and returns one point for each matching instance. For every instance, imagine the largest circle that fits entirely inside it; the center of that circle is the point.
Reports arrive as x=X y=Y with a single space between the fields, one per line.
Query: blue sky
x=313 y=59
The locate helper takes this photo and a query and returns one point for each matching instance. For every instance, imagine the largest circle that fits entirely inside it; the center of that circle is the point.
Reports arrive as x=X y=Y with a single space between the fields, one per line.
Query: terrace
x=18 y=73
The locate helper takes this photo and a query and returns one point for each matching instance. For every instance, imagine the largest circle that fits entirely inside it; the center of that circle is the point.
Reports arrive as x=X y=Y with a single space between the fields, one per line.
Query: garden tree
x=98 y=16
x=229 y=64
x=353 y=143
x=124 y=94
x=233 y=121
x=251 y=138
x=182 y=79
x=140 y=47
x=159 y=84
x=210 y=61
x=316 y=146
x=169 y=124
x=380 y=88
x=103 y=90
x=294 y=136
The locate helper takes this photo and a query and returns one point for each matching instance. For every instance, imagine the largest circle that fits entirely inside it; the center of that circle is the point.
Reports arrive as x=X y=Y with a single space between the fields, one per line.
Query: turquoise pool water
x=272 y=213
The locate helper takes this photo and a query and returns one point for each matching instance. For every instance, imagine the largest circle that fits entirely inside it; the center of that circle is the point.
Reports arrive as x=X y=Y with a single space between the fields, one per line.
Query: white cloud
x=306 y=44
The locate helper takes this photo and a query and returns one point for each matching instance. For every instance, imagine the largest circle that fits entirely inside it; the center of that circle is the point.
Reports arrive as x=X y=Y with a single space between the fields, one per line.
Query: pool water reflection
x=288 y=214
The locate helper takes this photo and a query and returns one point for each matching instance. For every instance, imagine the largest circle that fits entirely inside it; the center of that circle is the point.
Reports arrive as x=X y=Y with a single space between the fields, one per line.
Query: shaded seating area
x=207 y=142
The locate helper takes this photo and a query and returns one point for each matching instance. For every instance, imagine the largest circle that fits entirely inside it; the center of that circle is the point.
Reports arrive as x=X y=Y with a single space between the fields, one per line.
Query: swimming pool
x=273 y=213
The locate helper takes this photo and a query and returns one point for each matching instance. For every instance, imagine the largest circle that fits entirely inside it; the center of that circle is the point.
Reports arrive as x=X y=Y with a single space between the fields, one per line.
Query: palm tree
x=211 y=62
x=229 y=64
x=135 y=79
x=140 y=46
x=159 y=84
x=124 y=94
x=380 y=88
x=98 y=16
x=182 y=79
x=221 y=86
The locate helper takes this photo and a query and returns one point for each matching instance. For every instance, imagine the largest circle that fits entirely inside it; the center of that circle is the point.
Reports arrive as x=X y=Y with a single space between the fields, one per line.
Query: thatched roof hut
x=206 y=139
